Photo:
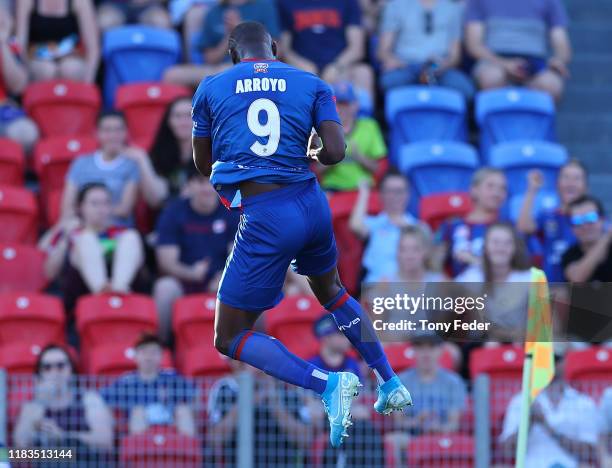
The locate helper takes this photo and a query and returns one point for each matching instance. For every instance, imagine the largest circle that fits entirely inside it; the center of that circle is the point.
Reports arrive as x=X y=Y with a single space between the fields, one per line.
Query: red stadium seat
x=62 y=107
x=203 y=361
x=160 y=447
x=21 y=268
x=193 y=320
x=350 y=247
x=31 y=318
x=20 y=358
x=498 y=362
x=434 y=209
x=291 y=322
x=52 y=158
x=12 y=163
x=144 y=105
x=434 y=451
x=107 y=318
x=401 y=357
x=115 y=359
x=18 y=215
x=589 y=370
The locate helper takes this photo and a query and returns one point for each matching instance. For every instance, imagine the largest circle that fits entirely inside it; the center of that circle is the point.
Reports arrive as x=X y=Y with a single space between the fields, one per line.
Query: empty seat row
x=424 y=113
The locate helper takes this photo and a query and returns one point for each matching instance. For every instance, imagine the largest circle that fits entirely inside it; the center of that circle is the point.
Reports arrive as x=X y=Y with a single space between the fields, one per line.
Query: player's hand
x=199 y=269
x=535 y=180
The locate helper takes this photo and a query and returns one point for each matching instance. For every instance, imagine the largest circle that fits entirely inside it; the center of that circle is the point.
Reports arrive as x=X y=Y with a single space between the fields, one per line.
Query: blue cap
x=324 y=326
x=344 y=92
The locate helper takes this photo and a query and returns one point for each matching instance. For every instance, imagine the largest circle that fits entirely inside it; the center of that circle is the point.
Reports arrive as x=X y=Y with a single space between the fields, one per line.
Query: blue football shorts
x=288 y=226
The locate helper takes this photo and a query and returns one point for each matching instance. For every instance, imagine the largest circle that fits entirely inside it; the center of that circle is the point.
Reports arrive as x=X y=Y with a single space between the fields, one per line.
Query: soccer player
x=251 y=133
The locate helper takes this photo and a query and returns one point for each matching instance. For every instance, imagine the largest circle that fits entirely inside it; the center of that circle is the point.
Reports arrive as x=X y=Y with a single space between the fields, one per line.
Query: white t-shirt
x=575 y=417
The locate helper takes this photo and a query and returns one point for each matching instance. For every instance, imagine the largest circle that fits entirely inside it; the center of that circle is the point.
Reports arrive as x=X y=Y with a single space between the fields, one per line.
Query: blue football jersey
x=260 y=114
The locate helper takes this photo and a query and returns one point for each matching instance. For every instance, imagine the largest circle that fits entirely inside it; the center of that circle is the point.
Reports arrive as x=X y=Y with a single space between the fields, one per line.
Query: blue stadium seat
x=517 y=158
x=421 y=113
x=435 y=167
x=137 y=53
x=510 y=114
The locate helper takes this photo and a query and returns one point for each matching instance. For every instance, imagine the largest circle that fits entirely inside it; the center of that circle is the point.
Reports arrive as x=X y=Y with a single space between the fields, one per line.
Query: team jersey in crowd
x=260 y=114
x=556 y=236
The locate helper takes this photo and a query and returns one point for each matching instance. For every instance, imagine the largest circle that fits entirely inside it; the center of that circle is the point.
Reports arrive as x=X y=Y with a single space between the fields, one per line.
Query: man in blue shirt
x=254 y=123
x=194 y=236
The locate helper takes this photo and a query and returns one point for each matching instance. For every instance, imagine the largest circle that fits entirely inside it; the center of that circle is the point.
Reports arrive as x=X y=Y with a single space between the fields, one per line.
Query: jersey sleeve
x=200 y=114
x=325 y=105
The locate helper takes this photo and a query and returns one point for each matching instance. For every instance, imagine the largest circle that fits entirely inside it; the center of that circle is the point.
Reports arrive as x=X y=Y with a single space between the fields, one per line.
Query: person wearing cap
x=364 y=140
x=150 y=395
x=365 y=446
x=194 y=235
x=440 y=395
x=564 y=425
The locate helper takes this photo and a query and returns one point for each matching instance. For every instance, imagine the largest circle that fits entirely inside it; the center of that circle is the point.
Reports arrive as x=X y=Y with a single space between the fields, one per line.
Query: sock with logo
x=357 y=327
x=271 y=356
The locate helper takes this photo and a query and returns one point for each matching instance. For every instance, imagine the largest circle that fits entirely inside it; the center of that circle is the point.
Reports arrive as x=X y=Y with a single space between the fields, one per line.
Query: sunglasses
x=586 y=218
x=47 y=366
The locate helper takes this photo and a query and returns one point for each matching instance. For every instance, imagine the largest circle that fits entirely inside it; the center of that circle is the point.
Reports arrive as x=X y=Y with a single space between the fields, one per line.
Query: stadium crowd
x=126 y=212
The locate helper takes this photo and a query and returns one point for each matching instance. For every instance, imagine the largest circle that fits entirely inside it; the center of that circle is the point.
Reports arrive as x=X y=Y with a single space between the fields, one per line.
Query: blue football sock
x=271 y=356
x=357 y=327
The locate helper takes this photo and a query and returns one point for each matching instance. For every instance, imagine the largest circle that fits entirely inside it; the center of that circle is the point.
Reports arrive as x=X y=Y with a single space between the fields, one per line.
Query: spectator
x=59 y=40
x=420 y=41
x=439 y=396
x=219 y=22
x=110 y=166
x=554 y=228
x=365 y=145
x=462 y=239
x=326 y=38
x=504 y=260
x=14 y=124
x=365 y=447
x=511 y=41
x=62 y=413
x=171 y=154
x=281 y=421
x=113 y=13
x=193 y=240
x=605 y=429
x=563 y=430
x=382 y=230
x=150 y=395
x=590 y=258
x=413 y=257
x=91 y=253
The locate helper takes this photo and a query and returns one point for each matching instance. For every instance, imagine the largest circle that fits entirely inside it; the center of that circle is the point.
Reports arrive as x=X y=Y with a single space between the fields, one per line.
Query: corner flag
x=539 y=364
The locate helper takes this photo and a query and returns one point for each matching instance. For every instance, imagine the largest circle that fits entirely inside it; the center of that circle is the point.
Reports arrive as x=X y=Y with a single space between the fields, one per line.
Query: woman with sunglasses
x=553 y=228
x=62 y=414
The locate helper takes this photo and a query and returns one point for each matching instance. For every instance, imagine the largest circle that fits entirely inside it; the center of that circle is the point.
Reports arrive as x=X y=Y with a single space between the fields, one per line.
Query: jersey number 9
x=270 y=129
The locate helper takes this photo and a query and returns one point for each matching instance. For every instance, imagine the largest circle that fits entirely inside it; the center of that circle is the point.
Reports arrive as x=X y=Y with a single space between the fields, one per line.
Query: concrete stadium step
x=591 y=36
x=586 y=10
x=591 y=69
x=573 y=127
x=597 y=157
x=587 y=98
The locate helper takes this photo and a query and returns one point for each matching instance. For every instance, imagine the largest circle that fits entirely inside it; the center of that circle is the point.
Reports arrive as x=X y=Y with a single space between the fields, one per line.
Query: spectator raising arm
x=360 y=210
x=525 y=223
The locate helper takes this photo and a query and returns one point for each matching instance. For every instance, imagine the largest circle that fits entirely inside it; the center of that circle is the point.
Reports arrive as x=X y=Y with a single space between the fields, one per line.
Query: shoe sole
x=347 y=419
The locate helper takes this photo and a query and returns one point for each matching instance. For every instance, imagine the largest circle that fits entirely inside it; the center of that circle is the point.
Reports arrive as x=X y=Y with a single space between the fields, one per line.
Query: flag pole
x=523 y=432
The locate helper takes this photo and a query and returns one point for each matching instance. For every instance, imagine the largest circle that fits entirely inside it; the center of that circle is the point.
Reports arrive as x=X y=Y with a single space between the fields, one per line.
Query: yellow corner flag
x=539 y=364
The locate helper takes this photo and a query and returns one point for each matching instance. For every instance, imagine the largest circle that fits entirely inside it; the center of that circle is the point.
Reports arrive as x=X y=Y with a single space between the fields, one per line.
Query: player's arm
x=202 y=154
x=332 y=137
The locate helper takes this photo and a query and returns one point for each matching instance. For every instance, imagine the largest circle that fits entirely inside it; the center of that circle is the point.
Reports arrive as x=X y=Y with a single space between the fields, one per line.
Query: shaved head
x=251 y=40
